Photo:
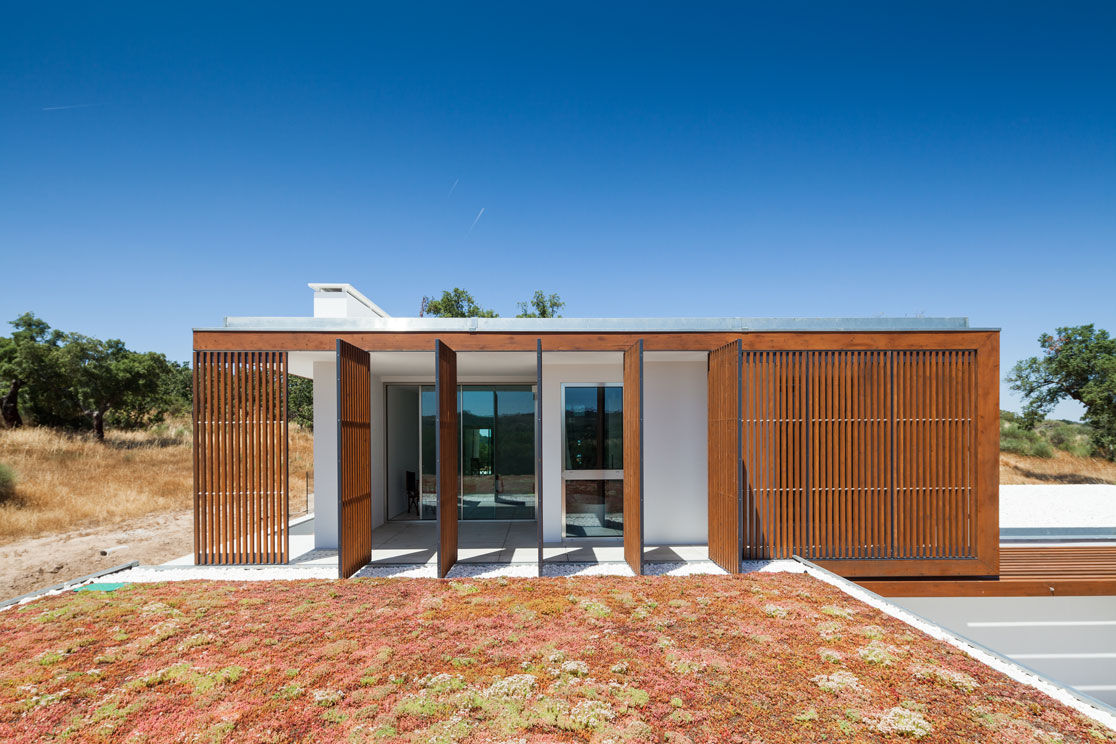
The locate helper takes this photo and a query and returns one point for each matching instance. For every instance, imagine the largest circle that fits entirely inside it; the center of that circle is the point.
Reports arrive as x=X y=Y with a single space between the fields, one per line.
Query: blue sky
x=161 y=167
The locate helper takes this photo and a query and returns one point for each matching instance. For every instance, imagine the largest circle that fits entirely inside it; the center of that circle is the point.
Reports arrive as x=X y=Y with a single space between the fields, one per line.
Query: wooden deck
x=1025 y=571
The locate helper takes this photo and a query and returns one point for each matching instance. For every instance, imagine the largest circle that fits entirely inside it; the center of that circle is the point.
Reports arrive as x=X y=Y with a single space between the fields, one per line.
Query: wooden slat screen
x=859 y=455
x=725 y=483
x=240 y=457
x=633 y=457
x=447 y=445
x=354 y=459
x=935 y=470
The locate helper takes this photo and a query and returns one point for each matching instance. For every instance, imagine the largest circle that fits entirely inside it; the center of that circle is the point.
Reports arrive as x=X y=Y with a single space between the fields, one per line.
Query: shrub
x=1017 y=440
x=7 y=482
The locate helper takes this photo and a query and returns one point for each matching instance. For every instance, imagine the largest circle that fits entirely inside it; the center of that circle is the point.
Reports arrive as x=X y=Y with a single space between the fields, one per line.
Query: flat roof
x=593 y=325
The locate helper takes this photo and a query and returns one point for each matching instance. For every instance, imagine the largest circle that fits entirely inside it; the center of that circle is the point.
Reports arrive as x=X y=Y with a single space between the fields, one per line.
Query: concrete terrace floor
x=503 y=542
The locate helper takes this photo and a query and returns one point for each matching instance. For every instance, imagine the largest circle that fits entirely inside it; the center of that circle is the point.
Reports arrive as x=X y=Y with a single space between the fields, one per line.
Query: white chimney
x=343 y=301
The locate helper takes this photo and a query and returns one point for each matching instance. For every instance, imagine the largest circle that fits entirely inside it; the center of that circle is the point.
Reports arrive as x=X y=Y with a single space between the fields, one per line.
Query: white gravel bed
x=398 y=571
x=1057 y=506
x=150 y=574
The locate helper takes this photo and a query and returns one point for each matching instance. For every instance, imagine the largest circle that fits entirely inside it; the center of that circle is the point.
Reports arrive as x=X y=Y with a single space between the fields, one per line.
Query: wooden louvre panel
x=633 y=457
x=935 y=467
x=775 y=452
x=726 y=524
x=865 y=456
x=354 y=459
x=849 y=463
x=240 y=457
x=447 y=448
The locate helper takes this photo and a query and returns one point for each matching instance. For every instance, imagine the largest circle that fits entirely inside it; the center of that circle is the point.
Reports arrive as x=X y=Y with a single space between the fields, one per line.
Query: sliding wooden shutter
x=354 y=459
x=538 y=450
x=866 y=461
x=446 y=447
x=240 y=457
x=726 y=522
x=633 y=457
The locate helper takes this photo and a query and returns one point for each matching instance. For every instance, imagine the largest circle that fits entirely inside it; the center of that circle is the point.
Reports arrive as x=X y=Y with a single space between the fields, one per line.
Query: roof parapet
x=590 y=325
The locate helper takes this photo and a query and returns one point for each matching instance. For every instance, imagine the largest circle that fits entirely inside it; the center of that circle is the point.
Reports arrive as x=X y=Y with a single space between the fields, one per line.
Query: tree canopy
x=460 y=303
x=75 y=381
x=455 y=303
x=541 y=306
x=1078 y=363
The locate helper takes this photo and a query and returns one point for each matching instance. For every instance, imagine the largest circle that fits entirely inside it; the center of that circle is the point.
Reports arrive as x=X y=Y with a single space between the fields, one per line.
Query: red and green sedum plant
x=760 y=658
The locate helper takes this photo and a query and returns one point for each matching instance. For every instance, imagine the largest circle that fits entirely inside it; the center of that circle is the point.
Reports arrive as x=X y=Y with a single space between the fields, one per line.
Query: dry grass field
x=1062 y=468
x=68 y=482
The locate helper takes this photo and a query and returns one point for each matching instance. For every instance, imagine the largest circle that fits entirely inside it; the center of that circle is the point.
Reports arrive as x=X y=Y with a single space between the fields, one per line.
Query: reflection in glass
x=593 y=456
x=428 y=436
x=478 y=421
x=594 y=428
x=497 y=457
x=594 y=508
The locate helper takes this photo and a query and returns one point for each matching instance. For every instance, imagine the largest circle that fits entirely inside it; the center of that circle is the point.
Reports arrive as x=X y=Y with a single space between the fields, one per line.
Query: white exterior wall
x=325 y=455
x=675 y=460
x=379 y=451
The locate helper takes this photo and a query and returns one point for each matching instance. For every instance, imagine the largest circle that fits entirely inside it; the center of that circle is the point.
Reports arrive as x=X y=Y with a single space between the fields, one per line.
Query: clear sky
x=161 y=167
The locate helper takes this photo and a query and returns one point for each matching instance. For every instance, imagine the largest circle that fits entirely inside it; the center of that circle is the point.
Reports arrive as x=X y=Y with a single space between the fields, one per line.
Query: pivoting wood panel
x=539 y=450
x=447 y=448
x=726 y=515
x=354 y=459
x=240 y=457
x=633 y=457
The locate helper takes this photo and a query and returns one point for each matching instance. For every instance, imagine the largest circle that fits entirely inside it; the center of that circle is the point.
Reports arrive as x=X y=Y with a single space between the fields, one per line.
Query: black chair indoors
x=412 y=493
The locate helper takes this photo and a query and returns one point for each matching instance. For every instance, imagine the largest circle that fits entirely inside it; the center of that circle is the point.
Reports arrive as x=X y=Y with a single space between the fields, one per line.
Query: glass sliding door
x=514 y=452
x=497 y=457
x=593 y=460
x=478 y=473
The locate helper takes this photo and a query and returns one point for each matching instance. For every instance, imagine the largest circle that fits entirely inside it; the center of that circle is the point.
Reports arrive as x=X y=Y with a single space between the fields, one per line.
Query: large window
x=593 y=460
x=497 y=458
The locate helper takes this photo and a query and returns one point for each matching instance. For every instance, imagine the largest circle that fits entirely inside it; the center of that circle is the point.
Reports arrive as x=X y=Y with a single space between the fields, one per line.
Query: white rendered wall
x=339 y=305
x=675 y=461
x=379 y=452
x=402 y=452
x=325 y=454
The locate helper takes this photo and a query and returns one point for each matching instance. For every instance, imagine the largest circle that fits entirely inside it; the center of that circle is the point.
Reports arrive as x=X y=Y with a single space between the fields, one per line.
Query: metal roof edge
x=590 y=325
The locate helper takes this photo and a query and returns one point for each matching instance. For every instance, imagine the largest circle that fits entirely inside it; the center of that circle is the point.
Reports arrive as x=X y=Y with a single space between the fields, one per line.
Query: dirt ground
x=1061 y=468
x=33 y=563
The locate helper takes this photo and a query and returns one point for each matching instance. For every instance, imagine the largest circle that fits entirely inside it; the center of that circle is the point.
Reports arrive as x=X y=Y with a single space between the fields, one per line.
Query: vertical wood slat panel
x=856 y=455
x=633 y=457
x=237 y=395
x=447 y=448
x=730 y=527
x=354 y=459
